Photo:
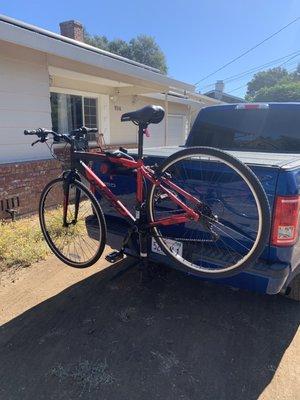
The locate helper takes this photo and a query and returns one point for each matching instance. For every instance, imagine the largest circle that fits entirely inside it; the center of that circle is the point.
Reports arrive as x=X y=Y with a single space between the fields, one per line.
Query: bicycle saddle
x=146 y=115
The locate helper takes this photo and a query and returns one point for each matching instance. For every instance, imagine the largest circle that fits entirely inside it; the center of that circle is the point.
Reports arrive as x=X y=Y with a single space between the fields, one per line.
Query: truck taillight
x=252 y=106
x=286 y=221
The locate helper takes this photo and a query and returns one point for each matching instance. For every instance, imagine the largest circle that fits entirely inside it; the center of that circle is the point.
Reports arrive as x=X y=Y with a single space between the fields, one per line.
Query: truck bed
x=266 y=159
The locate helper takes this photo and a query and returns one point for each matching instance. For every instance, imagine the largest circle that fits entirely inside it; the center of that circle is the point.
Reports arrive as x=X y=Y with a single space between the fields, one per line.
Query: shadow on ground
x=174 y=338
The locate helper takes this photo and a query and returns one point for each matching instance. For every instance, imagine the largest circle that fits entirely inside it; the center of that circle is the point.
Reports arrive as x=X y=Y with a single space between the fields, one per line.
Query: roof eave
x=20 y=33
x=223 y=94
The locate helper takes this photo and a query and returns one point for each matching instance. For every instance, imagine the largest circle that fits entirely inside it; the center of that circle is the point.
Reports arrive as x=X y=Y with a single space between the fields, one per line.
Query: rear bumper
x=262 y=277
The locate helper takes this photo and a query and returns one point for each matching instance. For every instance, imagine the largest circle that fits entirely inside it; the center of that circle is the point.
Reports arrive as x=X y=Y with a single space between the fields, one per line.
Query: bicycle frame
x=80 y=160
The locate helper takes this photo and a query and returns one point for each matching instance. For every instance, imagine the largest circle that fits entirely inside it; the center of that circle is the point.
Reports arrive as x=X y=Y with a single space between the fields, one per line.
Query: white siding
x=24 y=103
x=123 y=132
x=126 y=132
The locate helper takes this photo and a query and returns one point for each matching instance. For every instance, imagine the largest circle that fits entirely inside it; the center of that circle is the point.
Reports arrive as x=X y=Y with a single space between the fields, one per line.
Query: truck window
x=276 y=129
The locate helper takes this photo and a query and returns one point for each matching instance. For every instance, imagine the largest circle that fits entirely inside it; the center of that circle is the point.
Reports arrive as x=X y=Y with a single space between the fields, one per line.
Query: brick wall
x=25 y=180
x=21 y=183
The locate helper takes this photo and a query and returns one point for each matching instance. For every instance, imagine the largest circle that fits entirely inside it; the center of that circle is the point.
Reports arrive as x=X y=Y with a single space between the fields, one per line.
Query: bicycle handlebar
x=83 y=130
x=42 y=134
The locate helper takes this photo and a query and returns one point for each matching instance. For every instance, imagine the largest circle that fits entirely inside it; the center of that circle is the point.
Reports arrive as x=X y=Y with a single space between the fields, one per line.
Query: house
x=219 y=94
x=57 y=81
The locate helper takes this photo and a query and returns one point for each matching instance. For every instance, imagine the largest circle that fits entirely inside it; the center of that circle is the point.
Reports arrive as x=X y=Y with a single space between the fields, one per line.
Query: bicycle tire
x=97 y=213
x=249 y=178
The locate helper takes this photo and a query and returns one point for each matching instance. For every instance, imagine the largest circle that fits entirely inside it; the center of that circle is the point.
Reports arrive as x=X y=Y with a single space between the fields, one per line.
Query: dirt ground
x=92 y=334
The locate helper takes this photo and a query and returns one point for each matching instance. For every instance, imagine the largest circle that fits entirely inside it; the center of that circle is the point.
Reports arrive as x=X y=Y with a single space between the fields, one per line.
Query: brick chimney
x=72 y=29
x=219 y=89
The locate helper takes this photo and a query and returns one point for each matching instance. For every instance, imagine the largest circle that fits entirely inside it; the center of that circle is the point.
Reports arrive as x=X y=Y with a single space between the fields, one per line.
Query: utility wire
x=244 y=85
x=248 y=51
x=288 y=60
x=254 y=69
x=260 y=69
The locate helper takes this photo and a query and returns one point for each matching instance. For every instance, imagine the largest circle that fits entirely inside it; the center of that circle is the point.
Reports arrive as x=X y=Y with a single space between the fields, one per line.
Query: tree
x=296 y=75
x=275 y=84
x=282 y=91
x=97 y=41
x=120 y=47
x=143 y=49
x=265 y=79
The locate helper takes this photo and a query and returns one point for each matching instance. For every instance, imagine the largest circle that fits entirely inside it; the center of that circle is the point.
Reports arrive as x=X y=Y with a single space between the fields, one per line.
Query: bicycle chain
x=188 y=240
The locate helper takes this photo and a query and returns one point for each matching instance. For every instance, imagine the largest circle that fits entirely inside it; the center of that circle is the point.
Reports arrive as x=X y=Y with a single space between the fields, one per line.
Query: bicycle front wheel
x=229 y=236
x=72 y=222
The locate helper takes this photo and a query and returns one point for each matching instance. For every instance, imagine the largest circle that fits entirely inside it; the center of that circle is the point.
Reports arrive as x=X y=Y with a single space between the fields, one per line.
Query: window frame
x=100 y=111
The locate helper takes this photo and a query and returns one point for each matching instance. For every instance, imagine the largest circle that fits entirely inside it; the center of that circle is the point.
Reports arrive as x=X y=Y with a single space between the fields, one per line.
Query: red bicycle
x=176 y=204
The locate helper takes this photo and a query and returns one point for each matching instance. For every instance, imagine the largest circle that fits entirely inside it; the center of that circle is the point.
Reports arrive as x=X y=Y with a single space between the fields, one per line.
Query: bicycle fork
x=66 y=188
x=66 y=204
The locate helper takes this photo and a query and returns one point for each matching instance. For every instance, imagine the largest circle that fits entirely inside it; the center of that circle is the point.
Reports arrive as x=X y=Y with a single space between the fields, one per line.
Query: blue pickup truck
x=264 y=136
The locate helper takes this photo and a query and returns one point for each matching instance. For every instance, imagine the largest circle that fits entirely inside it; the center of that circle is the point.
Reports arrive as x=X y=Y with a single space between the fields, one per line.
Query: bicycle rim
x=78 y=239
x=225 y=239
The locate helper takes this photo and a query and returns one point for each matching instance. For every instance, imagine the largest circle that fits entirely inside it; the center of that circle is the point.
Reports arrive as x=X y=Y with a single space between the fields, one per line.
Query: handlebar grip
x=92 y=130
x=30 y=132
x=40 y=132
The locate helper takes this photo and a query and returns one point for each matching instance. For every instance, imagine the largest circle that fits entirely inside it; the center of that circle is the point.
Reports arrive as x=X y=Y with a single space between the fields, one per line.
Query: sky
x=197 y=36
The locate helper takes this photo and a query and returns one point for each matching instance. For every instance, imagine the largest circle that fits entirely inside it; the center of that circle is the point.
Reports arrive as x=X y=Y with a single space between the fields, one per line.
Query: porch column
x=166 y=117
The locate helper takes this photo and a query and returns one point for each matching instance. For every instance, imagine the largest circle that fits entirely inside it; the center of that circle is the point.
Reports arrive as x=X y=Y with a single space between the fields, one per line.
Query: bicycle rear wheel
x=72 y=222
x=229 y=236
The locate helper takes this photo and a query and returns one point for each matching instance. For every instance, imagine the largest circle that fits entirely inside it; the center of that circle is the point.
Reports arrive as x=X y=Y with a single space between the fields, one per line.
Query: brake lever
x=40 y=140
x=34 y=143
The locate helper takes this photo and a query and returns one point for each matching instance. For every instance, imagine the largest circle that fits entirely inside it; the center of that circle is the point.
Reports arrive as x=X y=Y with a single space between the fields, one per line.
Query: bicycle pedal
x=114 y=256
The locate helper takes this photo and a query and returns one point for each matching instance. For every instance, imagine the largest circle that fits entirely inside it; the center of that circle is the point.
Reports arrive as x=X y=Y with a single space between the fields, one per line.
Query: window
x=69 y=112
x=90 y=112
x=267 y=130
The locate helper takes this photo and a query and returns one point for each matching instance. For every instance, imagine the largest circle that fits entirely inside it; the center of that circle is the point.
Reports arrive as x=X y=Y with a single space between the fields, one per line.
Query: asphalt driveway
x=172 y=338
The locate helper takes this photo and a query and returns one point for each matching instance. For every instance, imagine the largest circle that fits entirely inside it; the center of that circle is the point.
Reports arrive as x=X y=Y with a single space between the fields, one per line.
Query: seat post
x=142 y=127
